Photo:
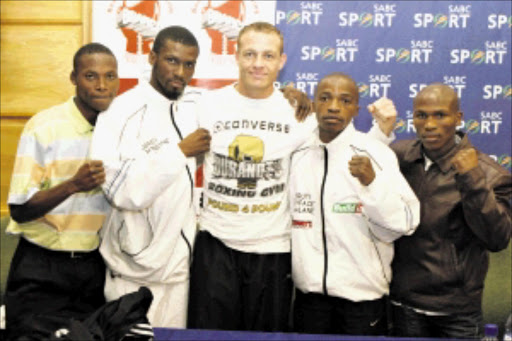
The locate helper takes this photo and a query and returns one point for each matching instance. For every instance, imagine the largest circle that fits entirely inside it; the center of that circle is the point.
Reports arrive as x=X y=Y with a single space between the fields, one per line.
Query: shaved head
x=438 y=92
x=335 y=75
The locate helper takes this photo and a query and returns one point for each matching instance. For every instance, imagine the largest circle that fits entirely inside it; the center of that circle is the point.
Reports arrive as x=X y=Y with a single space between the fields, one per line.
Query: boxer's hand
x=299 y=100
x=384 y=112
x=196 y=143
x=465 y=160
x=361 y=168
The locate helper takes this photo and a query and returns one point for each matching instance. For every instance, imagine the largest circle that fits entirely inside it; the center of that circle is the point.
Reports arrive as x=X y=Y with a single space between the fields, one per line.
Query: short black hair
x=90 y=48
x=178 y=34
x=341 y=75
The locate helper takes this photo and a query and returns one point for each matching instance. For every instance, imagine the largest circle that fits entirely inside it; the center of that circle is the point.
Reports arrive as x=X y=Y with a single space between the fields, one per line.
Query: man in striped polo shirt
x=57 y=206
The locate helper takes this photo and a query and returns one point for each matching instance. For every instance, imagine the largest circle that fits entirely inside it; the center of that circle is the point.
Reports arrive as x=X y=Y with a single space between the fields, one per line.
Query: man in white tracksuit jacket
x=349 y=202
x=147 y=141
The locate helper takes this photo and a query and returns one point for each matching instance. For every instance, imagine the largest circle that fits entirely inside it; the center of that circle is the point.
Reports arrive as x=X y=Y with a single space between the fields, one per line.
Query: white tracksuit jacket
x=342 y=231
x=148 y=235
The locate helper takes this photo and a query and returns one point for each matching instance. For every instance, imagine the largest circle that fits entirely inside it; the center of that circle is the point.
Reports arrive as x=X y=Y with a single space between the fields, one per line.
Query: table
x=206 y=335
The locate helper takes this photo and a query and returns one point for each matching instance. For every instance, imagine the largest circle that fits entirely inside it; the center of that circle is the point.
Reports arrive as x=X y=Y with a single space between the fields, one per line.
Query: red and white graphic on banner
x=138 y=23
x=129 y=29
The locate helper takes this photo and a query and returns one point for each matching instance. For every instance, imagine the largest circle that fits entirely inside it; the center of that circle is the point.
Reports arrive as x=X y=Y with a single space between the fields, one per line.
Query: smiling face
x=336 y=103
x=436 y=117
x=259 y=60
x=173 y=67
x=97 y=83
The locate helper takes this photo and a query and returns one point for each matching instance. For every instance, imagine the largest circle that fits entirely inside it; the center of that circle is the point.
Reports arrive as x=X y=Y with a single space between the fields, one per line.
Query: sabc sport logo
x=362 y=20
x=505 y=161
x=497 y=91
x=305 y=82
x=328 y=54
x=439 y=20
x=364 y=89
x=382 y=16
x=366 y=20
x=472 y=126
x=400 y=125
x=403 y=55
x=376 y=87
x=488 y=127
x=419 y=52
x=456 y=18
x=345 y=51
x=494 y=53
x=477 y=57
x=498 y=21
x=293 y=18
x=507 y=92
x=309 y=14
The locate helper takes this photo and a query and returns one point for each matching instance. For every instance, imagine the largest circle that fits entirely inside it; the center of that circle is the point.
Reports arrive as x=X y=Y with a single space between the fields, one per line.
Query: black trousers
x=233 y=290
x=320 y=314
x=47 y=288
x=409 y=323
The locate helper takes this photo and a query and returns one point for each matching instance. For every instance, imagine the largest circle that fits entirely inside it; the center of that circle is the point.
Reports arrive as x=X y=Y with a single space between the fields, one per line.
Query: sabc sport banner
x=391 y=48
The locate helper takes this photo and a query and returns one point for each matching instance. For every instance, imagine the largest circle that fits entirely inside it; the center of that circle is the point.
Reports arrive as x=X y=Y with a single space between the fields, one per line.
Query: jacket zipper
x=324 y=236
x=191 y=184
x=181 y=139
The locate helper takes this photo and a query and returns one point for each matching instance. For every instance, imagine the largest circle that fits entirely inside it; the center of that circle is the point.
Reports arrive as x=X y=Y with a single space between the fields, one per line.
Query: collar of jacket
x=415 y=153
x=153 y=95
x=344 y=138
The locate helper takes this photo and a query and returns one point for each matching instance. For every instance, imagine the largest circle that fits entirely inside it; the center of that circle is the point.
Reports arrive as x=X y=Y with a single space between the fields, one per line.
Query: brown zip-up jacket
x=442 y=266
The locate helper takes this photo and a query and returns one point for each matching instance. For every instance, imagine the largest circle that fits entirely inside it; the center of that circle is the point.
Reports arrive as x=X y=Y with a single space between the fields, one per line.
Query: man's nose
x=180 y=70
x=334 y=106
x=101 y=84
x=258 y=61
x=430 y=123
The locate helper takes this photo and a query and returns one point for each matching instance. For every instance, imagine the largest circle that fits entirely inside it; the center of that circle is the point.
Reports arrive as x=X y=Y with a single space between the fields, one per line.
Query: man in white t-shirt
x=240 y=274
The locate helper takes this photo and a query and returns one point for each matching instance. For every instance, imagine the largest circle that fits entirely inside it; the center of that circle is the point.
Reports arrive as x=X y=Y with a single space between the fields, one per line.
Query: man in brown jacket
x=439 y=271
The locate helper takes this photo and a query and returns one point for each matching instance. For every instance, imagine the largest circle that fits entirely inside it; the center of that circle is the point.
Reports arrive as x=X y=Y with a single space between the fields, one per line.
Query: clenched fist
x=361 y=168
x=384 y=112
x=196 y=143
x=465 y=160
x=299 y=100
x=89 y=176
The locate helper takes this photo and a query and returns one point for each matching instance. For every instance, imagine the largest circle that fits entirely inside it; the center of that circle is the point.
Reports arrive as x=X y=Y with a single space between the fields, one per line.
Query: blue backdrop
x=394 y=48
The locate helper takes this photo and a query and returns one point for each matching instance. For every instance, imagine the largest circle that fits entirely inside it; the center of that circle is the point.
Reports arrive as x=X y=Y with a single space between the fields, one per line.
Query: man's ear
x=460 y=116
x=236 y=55
x=152 y=57
x=282 y=61
x=72 y=77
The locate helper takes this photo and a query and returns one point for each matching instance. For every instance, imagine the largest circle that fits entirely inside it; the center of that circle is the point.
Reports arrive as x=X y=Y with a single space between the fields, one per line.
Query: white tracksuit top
x=342 y=231
x=148 y=234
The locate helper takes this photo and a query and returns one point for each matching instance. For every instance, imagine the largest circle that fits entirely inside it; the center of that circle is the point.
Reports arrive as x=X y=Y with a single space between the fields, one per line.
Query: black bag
x=122 y=319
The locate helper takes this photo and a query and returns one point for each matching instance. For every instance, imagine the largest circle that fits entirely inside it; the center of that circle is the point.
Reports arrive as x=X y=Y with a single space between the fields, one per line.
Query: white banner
x=129 y=28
